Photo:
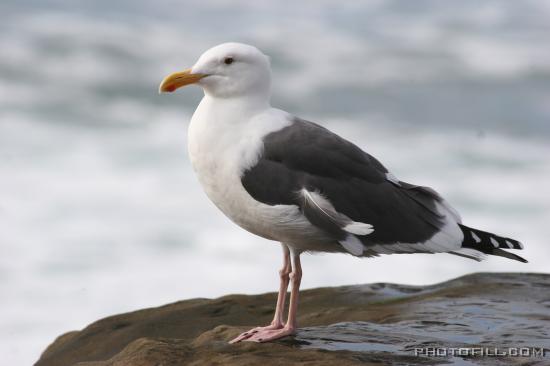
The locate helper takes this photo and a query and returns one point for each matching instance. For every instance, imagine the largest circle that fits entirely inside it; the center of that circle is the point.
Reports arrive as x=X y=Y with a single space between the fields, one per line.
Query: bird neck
x=239 y=108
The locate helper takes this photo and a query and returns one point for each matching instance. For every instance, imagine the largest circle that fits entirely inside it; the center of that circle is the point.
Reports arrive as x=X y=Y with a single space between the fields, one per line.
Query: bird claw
x=252 y=332
x=268 y=335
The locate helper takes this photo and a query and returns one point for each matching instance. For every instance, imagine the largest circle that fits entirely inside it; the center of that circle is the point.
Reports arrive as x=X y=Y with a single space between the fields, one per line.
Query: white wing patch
x=358 y=228
x=351 y=243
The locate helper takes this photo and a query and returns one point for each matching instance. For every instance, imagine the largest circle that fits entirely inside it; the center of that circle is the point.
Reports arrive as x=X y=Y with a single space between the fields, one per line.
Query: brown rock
x=378 y=323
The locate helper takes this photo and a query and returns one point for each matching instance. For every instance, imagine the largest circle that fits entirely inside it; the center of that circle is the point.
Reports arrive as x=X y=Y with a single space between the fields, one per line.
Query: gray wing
x=305 y=157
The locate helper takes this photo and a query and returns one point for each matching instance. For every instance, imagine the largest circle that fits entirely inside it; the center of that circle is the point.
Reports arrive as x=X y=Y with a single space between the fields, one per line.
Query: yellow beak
x=179 y=79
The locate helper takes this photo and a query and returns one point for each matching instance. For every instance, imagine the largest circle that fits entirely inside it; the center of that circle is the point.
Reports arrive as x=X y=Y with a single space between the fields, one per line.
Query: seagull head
x=228 y=70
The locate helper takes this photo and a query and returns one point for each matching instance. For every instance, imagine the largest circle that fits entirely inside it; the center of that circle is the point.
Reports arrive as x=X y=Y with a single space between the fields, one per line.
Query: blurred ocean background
x=100 y=212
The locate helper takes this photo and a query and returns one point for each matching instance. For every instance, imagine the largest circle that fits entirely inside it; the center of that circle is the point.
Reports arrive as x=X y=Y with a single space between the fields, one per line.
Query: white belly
x=284 y=223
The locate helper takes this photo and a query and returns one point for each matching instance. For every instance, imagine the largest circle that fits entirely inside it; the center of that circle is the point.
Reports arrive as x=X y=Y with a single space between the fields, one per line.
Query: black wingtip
x=505 y=254
x=490 y=243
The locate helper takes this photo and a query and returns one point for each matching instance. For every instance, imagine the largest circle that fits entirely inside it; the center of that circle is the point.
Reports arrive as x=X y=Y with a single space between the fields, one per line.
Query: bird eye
x=228 y=60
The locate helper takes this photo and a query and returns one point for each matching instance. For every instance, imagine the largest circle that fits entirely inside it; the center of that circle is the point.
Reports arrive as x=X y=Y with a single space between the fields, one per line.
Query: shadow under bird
x=295 y=182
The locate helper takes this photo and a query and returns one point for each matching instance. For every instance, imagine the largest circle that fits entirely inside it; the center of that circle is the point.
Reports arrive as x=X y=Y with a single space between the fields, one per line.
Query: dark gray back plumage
x=306 y=155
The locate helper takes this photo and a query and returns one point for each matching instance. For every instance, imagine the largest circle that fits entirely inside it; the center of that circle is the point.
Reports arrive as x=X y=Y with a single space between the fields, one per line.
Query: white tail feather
x=324 y=205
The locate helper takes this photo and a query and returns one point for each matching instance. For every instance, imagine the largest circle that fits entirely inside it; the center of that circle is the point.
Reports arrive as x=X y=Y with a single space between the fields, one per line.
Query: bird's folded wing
x=336 y=184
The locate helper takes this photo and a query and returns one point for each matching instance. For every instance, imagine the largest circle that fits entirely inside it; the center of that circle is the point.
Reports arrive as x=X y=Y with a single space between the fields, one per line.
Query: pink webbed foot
x=244 y=336
x=268 y=335
x=277 y=329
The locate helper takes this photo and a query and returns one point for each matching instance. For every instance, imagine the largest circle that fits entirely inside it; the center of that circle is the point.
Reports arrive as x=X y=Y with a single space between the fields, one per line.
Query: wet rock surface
x=486 y=313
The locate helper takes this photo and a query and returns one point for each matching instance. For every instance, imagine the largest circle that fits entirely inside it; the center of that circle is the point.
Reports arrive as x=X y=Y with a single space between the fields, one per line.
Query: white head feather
x=234 y=70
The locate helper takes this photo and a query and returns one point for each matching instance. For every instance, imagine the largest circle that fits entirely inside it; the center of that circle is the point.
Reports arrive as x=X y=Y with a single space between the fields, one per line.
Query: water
x=495 y=314
x=99 y=209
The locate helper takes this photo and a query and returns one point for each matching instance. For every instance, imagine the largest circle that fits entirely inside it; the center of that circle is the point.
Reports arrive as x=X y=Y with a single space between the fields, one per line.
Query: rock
x=349 y=325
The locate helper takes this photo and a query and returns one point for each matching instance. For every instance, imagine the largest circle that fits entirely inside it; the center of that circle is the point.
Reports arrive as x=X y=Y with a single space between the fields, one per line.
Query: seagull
x=295 y=182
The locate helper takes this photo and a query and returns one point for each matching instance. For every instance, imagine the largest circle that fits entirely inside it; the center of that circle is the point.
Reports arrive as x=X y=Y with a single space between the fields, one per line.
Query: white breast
x=226 y=139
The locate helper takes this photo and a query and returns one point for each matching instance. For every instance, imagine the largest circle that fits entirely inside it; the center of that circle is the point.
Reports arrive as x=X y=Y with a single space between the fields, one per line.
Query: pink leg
x=284 y=274
x=292 y=323
x=278 y=321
